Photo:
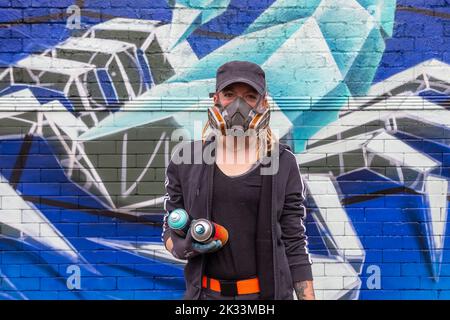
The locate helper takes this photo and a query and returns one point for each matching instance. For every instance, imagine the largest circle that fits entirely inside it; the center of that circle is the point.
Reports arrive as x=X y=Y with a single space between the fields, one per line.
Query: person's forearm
x=304 y=290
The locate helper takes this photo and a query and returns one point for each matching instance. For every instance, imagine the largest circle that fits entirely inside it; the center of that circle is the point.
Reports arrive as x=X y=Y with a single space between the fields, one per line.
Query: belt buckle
x=228 y=288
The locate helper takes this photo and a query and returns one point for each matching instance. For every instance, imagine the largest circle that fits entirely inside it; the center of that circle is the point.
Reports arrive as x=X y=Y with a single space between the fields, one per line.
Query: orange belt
x=231 y=287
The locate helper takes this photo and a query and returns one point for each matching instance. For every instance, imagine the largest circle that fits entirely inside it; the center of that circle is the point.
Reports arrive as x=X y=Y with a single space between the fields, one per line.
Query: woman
x=250 y=185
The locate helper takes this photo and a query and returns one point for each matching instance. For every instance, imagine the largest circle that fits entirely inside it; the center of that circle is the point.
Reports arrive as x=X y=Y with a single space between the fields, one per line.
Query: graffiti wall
x=93 y=92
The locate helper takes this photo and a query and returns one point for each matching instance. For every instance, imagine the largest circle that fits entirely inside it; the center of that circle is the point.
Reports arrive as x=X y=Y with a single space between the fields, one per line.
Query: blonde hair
x=265 y=137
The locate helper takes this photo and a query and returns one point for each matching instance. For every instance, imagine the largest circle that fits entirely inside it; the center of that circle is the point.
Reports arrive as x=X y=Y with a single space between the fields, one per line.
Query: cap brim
x=258 y=88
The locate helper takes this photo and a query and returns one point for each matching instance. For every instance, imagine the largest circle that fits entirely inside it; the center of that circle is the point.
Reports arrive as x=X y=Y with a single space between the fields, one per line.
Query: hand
x=186 y=248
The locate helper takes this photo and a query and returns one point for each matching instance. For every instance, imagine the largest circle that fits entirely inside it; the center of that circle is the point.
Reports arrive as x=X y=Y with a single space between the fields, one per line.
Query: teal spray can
x=179 y=221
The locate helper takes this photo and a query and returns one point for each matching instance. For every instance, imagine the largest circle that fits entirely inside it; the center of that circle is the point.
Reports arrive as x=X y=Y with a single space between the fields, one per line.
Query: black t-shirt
x=235 y=206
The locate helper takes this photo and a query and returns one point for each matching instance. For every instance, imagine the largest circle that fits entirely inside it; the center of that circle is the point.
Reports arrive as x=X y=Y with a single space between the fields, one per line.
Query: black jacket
x=281 y=244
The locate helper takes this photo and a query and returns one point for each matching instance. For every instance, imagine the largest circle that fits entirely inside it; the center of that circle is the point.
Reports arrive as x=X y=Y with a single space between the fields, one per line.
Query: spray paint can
x=179 y=221
x=204 y=231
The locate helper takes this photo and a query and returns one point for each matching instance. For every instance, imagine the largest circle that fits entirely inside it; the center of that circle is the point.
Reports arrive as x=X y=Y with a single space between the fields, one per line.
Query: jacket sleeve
x=293 y=227
x=173 y=199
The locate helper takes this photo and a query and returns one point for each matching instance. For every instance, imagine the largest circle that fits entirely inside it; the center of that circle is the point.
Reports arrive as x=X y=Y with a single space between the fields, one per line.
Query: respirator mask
x=239 y=118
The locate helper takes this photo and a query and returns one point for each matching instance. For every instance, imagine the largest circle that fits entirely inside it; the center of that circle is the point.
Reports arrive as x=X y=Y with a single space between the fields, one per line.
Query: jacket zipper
x=274 y=254
x=208 y=205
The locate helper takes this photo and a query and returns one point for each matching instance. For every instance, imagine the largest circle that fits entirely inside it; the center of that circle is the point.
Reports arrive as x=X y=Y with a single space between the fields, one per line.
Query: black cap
x=241 y=71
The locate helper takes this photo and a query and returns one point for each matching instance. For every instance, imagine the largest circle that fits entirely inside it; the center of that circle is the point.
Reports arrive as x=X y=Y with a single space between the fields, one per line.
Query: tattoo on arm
x=304 y=290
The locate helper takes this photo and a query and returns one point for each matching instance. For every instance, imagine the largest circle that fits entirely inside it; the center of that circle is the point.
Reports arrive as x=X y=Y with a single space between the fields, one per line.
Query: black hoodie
x=281 y=244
